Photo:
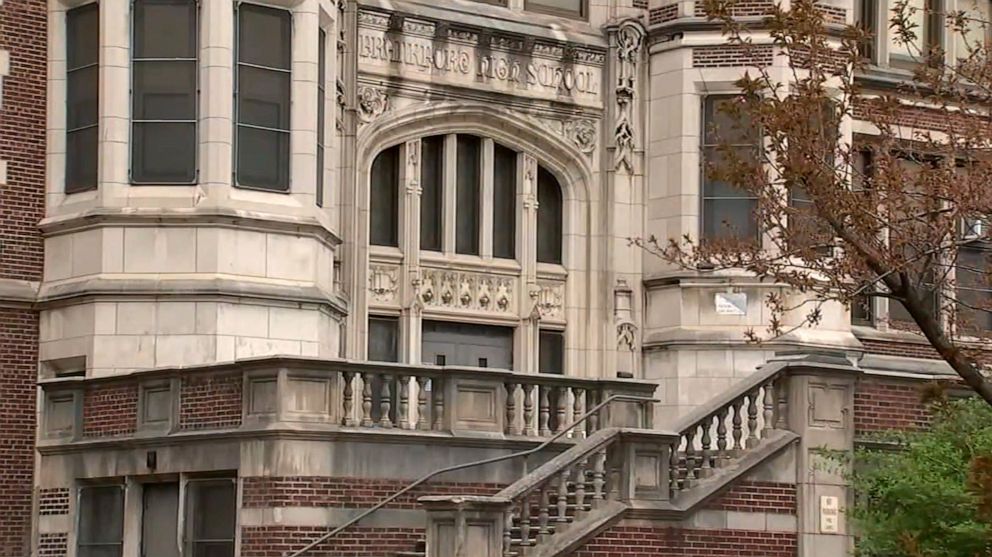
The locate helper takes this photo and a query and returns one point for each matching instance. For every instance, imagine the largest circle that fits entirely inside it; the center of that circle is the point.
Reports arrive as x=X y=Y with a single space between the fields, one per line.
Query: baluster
x=580 y=487
x=544 y=410
x=437 y=389
x=738 y=434
x=508 y=533
x=721 y=436
x=525 y=520
x=578 y=408
x=768 y=416
x=422 y=403
x=403 y=412
x=367 y=399
x=529 y=428
x=562 y=498
x=385 y=403
x=543 y=531
x=511 y=409
x=562 y=410
x=598 y=476
x=752 y=419
x=674 y=473
x=591 y=401
x=781 y=391
x=705 y=468
x=349 y=399
x=690 y=456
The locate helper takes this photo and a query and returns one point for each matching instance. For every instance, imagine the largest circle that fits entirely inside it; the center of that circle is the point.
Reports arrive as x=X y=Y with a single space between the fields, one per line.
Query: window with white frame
x=82 y=97
x=262 y=97
x=164 y=86
x=925 y=19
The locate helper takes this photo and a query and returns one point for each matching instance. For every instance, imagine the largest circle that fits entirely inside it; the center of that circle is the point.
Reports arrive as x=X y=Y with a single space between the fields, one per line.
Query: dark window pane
x=163 y=152
x=569 y=6
x=80 y=159
x=165 y=29
x=320 y=177
x=713 y=157
x=384 y=339
x=101 y=515
x=83 y=36
x=164 y=90
x=551 y=352
x=160 y=520
x=504 y=202
x=321 y=100
x=263 y=158
x=973 y=289
x=384 y=202
x=467 y=209
x=213 y=549
x=549 y=217
x=722 y=127
x=867 y=17
x=82 y=92
x=212 y=505
x=861 y=311
x=431 y=200
x=264 y=36
x=724 y=218
x=263 y=97
x=465 y=344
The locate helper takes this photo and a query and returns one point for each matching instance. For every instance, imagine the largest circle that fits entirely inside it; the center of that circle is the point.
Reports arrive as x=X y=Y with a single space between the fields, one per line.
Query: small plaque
x=728 y=303
x=829 y=515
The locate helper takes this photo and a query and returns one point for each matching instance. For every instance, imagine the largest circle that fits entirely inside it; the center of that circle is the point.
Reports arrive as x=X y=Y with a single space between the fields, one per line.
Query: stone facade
x=210 y=336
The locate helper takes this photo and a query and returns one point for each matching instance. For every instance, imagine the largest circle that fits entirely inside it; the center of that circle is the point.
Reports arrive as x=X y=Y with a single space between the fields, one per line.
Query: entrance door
x=160 y=520
x=465 y=344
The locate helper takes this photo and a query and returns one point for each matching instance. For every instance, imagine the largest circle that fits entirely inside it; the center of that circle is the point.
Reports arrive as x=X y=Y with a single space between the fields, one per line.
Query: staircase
x=557 y=507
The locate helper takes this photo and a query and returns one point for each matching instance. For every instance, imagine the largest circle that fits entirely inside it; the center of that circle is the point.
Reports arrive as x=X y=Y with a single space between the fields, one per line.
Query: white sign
x=829 y=515
x=730 y=303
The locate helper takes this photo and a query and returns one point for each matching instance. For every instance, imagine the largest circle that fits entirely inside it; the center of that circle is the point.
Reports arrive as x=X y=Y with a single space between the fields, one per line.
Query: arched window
x=384 y=205
x=549 y=218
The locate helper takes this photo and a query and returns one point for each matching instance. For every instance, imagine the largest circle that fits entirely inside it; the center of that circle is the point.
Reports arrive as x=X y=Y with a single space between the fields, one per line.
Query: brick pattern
x=277 y=541
x=640 y=4
x=741 y=8
x=53 y=545
x=723 y=56
x=53 y=501
x=18 y=373
x=747 y=496
x=22 y=138
x=888 y=405
x=912 y=116
x=679 y=542
x=905 y=349
x=110 y=410
x=210 y=402
x=663 y=14
x=833 y=14
x=316 y=491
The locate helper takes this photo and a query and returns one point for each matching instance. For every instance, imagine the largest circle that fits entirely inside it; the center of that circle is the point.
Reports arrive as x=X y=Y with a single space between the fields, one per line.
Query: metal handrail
x=491 y=460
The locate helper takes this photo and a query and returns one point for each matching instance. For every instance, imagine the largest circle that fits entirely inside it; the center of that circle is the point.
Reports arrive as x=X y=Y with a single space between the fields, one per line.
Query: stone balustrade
x=338 y=395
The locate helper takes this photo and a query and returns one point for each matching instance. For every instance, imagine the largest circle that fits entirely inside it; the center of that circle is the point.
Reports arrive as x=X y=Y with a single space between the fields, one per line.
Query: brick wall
x=741 y=8
x=277 y=541
x=53 y=501
x=721 y=56
x=311 y=491
x=110 y=410
x=210 y=402
x=683 y=542
x=748 y=496
x=885 y=405
x=660 y=15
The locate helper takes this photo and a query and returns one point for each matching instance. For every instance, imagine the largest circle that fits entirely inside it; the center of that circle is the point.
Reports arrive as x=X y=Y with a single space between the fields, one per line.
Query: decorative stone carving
x=466 y=291
x=623 y=316
x=630 y=39
x=383 y=283
x=550 y=299
x=372 y=102
x=582 y=132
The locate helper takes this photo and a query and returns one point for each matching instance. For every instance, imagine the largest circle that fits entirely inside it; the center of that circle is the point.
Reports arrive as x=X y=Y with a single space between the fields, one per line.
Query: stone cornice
x=214 y=217
x=18 y=293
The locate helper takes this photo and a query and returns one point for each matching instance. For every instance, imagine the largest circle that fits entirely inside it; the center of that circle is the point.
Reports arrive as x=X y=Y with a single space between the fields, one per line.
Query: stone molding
x=18 y=293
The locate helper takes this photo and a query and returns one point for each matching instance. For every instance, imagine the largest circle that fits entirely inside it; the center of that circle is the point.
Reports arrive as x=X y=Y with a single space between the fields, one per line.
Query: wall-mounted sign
x=829 y=514
x=730 y=303
x=413 y=49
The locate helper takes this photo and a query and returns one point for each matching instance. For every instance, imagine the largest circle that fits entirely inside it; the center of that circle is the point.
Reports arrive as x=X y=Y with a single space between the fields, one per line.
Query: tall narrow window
x=210 y=518
x=549 y=217
x=927 y=23
x=82 y=96
x=569 y=8
x=262 y=97
x=504 y=202
x=321 y=99
x=101 y=521
x=160 y=520
x=867 y=18
x=728 y=211
x=551 y=352
x=384 y=334
x=467 y=189
x=974 y=291
x=384 y=202
x=432 y=196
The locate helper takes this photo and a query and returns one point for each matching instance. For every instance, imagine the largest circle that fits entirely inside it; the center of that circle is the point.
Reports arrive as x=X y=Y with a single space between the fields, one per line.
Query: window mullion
x=450 y=192
x=488 y=204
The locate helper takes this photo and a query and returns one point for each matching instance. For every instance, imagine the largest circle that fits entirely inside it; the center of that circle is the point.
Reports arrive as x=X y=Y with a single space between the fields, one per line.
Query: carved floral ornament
x=630 y=40
x=582 y=133
x=466 y=291
x=372 y=102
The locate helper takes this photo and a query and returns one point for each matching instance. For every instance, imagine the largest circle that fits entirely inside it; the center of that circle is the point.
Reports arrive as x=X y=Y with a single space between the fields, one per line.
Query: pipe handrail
x=463 y=466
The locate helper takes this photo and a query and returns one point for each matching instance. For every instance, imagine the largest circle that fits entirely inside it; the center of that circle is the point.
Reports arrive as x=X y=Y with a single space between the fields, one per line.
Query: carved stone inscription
x=570 y=76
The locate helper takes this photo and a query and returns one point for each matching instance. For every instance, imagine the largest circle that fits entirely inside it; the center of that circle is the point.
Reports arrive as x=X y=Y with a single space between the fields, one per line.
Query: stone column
x=527 y=341
x=410 y=270
x=821 y=411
